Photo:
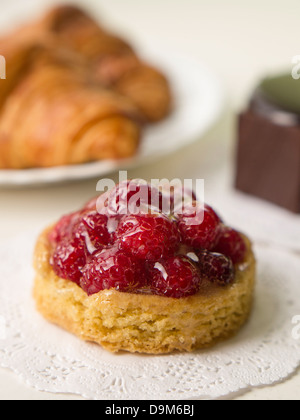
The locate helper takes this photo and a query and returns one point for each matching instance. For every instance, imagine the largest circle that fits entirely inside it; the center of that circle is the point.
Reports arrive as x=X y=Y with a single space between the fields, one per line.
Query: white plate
x=198 y=102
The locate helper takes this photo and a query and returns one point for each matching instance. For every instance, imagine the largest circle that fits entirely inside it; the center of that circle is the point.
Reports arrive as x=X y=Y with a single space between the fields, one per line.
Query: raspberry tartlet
x=145 y=278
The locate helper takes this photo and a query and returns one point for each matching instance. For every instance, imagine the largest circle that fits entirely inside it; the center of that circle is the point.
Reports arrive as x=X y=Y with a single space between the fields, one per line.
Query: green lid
x=283 y=91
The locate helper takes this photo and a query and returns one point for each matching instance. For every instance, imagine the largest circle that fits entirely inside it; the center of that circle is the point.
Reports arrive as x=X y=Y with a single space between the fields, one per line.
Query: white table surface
x=240 y=40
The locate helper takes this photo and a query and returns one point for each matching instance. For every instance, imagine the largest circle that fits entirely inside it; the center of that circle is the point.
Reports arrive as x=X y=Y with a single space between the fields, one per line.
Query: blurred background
x=240 y=41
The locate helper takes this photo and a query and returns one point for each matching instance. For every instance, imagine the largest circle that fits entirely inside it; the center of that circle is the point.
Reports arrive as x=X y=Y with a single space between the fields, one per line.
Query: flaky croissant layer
x=75 y=93
x=54 y=117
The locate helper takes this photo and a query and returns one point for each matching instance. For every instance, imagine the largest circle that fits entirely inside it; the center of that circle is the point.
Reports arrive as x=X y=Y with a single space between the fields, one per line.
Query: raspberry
x=176 y=277
x=76 y=237
x=198 y=233
x=94 y=227
x=174 y=198
x=148 y=237
x=231 y=244
x=217 y=268
x=68 y=259
x=112 y=268
x=99 y=248
x=133 y=197
x=63 y=229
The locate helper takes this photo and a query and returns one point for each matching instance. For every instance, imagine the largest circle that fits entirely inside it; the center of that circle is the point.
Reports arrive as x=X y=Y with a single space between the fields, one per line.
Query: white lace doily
x=50 y=359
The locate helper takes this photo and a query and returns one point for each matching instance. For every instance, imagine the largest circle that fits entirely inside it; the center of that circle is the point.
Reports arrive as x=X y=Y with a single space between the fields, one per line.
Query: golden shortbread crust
x=144 y=323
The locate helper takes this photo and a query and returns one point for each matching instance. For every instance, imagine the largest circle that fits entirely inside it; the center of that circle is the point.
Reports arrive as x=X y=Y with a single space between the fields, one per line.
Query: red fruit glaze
x=199 y=231
x=133 y=197
x=174 y=198
x=148 y=237
x=94 y=227
x=216 y=268
x=231 y=244
x=68 y=259
x=74 y=238
x=153 y=249
x=112 y=268
x=64 y=228
x=176 y=277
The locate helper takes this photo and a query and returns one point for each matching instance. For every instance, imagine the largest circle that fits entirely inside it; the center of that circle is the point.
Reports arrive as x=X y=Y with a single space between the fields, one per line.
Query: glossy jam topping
x=134 y=241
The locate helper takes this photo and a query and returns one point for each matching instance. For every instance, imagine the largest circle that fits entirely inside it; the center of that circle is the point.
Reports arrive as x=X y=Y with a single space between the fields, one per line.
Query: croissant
x=52 y=113
x=111 y=60
x=74 y=93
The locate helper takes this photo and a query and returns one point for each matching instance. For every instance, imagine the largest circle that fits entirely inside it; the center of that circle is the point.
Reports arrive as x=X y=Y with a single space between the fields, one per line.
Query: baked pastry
x=268 y=158
x=110 y=60
x=75 y=94
x=55 y=116
x=150 y=282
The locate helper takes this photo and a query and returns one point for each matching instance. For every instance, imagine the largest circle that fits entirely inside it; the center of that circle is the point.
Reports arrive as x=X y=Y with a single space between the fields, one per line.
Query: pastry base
x=144 y=323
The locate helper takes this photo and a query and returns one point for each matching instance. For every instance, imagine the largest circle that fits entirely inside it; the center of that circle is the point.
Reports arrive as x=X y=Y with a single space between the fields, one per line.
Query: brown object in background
x=268 y=158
